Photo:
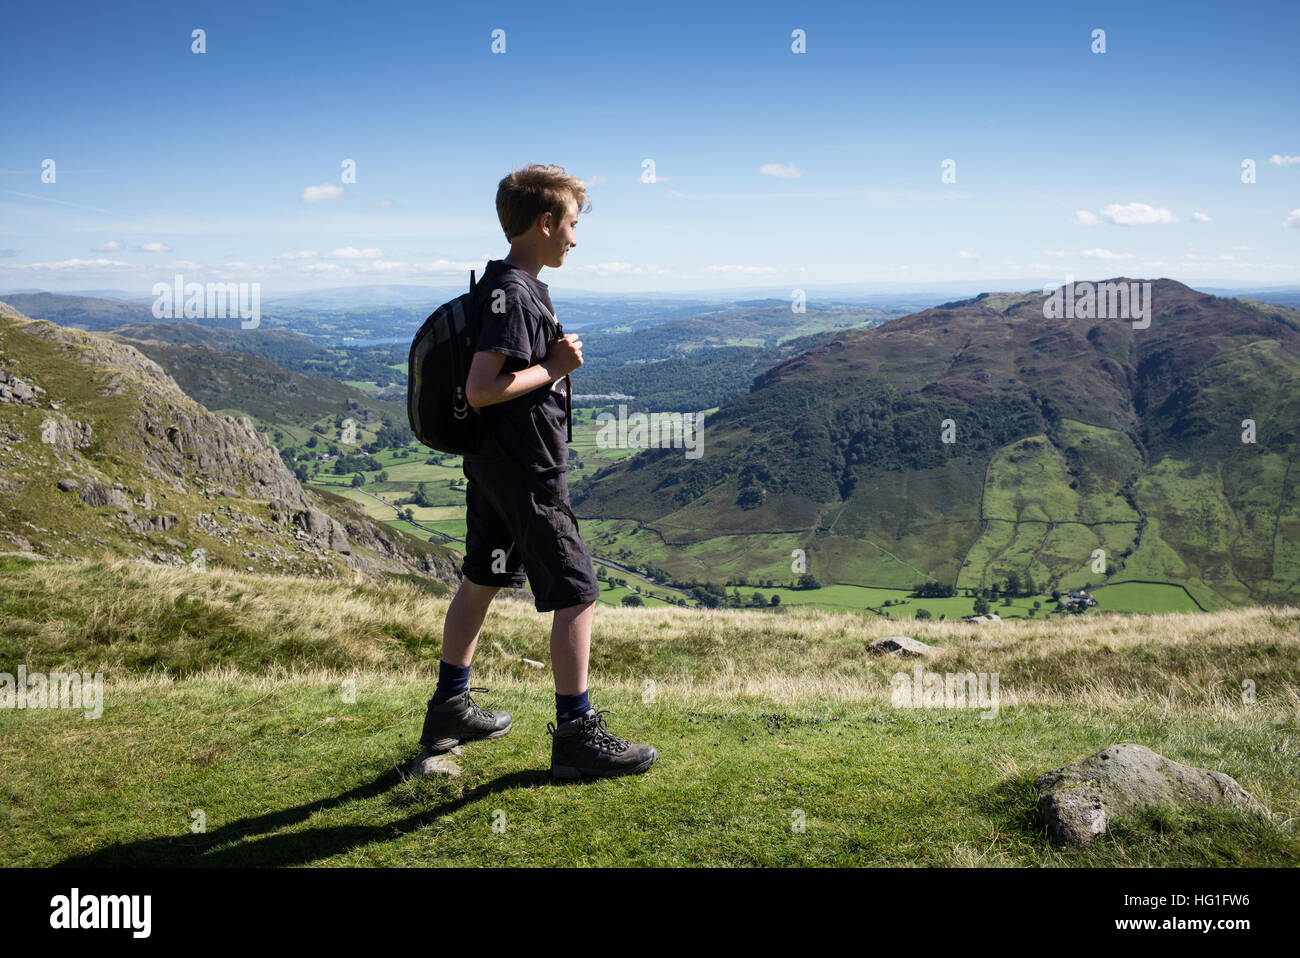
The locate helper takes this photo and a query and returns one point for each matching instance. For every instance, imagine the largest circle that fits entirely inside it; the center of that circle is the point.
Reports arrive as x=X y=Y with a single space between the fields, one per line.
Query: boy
x=518 y=520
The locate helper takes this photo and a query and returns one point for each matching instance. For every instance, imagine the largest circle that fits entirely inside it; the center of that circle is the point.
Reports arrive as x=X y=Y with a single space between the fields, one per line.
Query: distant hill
x=223 y=376
x=280 y=346
x=82 y=312
x=104 y=454
x=1070 y=436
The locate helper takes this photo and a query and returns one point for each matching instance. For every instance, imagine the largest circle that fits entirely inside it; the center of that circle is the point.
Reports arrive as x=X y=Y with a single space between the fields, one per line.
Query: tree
x=383 y=475
x=981 y=606
x=632 y=599
x=922 y=614
x=776 y=599
x=1013 y=584
x=809 y=581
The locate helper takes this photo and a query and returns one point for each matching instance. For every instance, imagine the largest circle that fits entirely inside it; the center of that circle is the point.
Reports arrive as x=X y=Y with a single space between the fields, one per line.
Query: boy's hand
x=564 y=356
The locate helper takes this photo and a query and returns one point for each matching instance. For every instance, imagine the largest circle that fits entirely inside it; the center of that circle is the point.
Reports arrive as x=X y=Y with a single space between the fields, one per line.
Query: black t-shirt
x=529 y=430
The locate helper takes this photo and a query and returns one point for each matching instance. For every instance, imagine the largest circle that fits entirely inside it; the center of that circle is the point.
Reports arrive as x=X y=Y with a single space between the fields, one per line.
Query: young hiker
x=518 y=520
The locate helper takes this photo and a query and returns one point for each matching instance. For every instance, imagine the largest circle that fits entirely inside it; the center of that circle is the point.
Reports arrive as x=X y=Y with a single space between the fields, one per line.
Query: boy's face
x=562 y=239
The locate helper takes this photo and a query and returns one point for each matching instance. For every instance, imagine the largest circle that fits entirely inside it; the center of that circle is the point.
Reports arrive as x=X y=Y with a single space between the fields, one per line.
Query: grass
x=779 y=744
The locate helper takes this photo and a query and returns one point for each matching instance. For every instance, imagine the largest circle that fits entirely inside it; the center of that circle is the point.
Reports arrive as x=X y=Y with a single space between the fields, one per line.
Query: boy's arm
x=487 y=385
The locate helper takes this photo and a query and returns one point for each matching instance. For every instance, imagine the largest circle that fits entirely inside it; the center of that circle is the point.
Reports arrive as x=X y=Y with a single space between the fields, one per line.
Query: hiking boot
x=460 y=719
x=583 y=747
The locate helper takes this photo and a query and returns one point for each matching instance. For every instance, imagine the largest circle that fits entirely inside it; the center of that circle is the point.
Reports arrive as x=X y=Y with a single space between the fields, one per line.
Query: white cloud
x=1137 y=214
x=595 y=181
x=326 y=191
x=305 y=254
x=1085 y=218
x=1293 y=219
x=619 y=268
x=966 y=254
x=1098 y=253
x=1201 y=218
x=739 y=269
x=154 y=248
x=351 y=252
x=1279 y=160
x=112 y=246
x=71 y=265
x=380 y=205
x=787 y=172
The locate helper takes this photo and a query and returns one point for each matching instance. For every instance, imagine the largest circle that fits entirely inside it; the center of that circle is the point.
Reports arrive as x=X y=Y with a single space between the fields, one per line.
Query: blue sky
x=773 y=168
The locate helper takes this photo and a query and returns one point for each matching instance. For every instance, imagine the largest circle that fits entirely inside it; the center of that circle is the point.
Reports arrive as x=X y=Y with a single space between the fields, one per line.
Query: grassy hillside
x=231 y=695
x=105 y=455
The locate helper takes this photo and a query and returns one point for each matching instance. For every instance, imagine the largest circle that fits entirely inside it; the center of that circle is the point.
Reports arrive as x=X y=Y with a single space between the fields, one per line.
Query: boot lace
x=478 y=709
x=600 y=737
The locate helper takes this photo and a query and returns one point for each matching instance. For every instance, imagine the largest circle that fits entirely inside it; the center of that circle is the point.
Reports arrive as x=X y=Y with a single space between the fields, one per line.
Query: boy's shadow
x=297 y=848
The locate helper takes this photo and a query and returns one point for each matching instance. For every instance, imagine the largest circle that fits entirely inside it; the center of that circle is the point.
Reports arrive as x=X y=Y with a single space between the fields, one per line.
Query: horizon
x=833 y=169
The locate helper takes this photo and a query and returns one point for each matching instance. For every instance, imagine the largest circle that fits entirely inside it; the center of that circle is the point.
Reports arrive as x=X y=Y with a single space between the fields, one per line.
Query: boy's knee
x=573 y=611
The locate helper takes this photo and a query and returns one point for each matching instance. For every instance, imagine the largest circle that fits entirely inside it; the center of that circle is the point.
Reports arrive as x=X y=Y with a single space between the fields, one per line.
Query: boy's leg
x=464 y=621
x=452 y=716
x=571 y=647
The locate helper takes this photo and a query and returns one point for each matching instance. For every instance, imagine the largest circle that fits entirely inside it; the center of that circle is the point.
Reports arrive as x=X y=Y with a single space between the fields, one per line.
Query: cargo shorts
x=521 y=528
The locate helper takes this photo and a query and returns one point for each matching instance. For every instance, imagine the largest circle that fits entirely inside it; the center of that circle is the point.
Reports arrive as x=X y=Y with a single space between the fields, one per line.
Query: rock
x=67 y=484
x=15 y=390
x=428 y=764
x=65 y=434
x=152 y=523
x=97 y=494
x=1078 y=801
x=901 y=645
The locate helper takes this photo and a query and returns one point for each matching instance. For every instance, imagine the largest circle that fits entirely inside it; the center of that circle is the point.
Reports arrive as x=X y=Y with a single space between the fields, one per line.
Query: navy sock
x=452 y=680
x=569 y=707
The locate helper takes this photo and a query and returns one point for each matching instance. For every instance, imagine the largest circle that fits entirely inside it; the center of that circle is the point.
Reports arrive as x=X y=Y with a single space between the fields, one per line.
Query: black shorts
x=519 y=528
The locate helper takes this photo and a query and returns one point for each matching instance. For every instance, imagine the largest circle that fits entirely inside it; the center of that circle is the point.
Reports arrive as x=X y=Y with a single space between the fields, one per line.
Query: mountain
x=1068 y=436
x=83 y=312
x=103 y=453
x=221 y=376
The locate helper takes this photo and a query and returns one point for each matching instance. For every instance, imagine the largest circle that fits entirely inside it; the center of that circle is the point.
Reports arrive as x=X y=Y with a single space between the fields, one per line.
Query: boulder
x=98 y=494
x=901 y=645
x=1078 y=801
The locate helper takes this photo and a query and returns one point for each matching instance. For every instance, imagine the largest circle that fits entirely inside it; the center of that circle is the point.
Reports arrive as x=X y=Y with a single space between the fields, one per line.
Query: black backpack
x=441 y=417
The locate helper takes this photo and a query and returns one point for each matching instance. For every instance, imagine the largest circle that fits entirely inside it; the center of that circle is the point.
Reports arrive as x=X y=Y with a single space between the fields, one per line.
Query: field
x=281 y=713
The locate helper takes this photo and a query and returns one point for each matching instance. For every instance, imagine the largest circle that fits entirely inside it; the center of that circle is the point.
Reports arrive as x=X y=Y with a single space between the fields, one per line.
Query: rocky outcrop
x=16 y=390
x=176 y=438
x=1078 y=801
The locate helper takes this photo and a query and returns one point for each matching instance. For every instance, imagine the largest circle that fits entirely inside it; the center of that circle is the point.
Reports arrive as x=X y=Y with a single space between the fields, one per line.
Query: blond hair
x=526 y=194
